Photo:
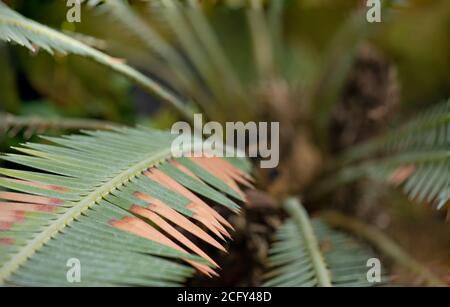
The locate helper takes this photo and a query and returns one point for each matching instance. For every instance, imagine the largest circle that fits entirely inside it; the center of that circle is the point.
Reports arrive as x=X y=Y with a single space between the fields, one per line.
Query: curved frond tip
x=117 y=202
x=28 y=33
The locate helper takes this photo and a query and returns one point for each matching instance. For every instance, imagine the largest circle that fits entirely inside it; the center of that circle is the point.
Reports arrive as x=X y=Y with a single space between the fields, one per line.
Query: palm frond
x=32 y=35
x=415 y=156
x=194 y=70
x=384 y=245
x=308 y=253
x=121 y=12
x=119 y=203
x=11 y=124
x=429 y=130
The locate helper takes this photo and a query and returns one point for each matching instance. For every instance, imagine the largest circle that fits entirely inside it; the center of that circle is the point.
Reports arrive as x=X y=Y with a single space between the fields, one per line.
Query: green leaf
x=32 y=35
x=308 y=253
x=415 y=156
x=116 y=201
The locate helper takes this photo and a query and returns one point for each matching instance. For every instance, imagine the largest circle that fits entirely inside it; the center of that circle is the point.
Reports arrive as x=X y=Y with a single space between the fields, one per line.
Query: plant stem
x=299 y=214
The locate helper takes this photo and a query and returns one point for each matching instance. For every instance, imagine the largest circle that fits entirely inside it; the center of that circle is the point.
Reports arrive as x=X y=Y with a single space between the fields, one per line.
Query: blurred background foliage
x=330 y=78
x=414 y=37
x=305 y=64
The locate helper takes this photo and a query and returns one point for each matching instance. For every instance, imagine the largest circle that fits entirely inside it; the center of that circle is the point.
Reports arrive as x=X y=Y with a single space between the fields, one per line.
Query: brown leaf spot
x=27 y=198
x=6 y=241
x=401 y=174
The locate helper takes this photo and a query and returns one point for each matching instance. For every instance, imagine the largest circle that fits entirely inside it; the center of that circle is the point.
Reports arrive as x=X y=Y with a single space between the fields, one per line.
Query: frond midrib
x=41 y=29
x=300 y=217
x=81 y=206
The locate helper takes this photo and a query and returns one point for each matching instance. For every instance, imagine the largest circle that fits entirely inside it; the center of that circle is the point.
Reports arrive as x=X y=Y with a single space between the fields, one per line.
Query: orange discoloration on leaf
x=35 y=48
x=184 y=169
x=6 y=241
x=140 y=228
x=206 y=165
x=39 y=185
x=165 y=211
x=216 y=167
x=116 y=61
x=25 y=207
x=203 y=205
x=220 y=165
x=207 y=223
x=160 y=222
x=198 y=206
x=205 y=218
x=401 y=174
x=27 y=198
x=12 y=216
x=208 y=210
x=5 y=226
x=202 y=268
x=232 y=171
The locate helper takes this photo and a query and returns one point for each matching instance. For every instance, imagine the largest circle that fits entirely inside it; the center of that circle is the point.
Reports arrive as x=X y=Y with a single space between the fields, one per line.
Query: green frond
x=116 y=201
x=121 y=12
x=194 y=74
x=32 y=35
x=308 y=253
x=429 y=130
x=414 y=156
x=11 y=124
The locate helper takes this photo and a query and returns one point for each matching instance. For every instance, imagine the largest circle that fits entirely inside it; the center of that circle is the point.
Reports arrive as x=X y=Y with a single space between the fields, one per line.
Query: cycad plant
x=112 y=200
x=131 y=213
